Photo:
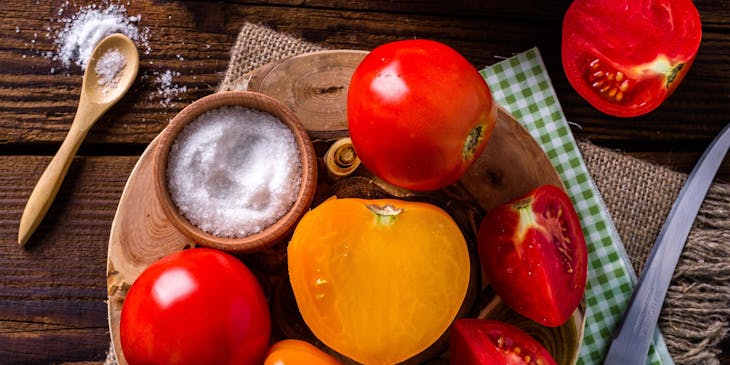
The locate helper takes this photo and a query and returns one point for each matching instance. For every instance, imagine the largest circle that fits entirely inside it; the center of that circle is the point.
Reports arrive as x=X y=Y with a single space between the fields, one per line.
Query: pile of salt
x=85 y=29
x=234 y=171
x=107 y=69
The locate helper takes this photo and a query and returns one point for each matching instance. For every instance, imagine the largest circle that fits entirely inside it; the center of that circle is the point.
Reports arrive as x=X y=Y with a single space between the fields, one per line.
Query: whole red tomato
x=487 y=342
x=534 y=255
x=624 y=56
x=198 y=306
x=419 y=114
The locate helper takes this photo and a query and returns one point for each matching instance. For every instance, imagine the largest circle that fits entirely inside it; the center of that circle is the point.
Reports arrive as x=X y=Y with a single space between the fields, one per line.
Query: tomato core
x=556 y=226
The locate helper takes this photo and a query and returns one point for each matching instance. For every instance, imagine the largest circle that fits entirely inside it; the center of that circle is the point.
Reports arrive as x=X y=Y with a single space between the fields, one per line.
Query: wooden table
x=52 y=292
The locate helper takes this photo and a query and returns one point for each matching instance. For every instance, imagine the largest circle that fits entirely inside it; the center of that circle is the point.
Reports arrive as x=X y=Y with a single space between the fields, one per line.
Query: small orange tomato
x=378 y=281
x=297 y=352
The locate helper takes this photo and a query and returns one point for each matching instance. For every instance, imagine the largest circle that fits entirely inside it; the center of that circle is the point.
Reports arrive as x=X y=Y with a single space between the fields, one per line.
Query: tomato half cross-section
x=534 y=255
x=626 y=57
x=198 y=306
x=419 y=114
x=489 y=342
x=378 y=281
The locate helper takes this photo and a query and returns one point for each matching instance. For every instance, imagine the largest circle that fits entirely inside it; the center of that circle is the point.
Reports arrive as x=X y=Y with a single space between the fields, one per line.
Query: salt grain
x=85 y=29
x=234 y=171
x=167 y=89
x=108 y=67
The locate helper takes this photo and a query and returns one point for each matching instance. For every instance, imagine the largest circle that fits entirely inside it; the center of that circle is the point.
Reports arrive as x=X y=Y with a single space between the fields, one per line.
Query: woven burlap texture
x=638 y=196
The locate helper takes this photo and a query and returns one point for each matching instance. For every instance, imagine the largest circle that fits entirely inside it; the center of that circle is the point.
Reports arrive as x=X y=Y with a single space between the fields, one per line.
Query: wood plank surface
x=52 y=292
x=36 y=106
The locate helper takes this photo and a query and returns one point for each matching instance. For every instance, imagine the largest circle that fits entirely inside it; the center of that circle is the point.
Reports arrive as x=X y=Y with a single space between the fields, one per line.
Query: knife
x=631 y=340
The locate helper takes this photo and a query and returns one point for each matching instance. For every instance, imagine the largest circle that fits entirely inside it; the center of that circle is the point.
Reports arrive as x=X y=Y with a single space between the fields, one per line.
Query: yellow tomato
x=297 y=352
x=378 y=280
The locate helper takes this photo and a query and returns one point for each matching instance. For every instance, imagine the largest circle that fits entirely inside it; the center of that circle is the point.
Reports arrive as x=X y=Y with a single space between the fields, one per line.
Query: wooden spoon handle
x=49 y=183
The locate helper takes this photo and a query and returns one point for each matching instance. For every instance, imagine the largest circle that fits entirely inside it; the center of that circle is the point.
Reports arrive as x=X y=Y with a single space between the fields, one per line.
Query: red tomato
x=534 y=254
x=419 y=114
x=624 y=56
x=486 y=342
x=198 y=306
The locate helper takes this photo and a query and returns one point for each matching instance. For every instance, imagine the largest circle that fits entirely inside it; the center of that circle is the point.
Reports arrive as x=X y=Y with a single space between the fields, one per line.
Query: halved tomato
x=534 y=255
x=488 y=342
x=626 y=57
x=380 y=280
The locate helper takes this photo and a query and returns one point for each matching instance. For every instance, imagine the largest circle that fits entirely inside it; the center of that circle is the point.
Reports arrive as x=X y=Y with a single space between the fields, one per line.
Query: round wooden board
x=314 y=86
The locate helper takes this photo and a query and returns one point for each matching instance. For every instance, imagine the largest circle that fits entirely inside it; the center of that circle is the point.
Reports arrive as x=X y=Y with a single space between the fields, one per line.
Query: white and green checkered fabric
x=522 y=86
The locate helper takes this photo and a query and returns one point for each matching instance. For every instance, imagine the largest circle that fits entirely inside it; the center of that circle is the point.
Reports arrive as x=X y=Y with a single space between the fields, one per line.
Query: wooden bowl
x=269 y=235
x=512 y=164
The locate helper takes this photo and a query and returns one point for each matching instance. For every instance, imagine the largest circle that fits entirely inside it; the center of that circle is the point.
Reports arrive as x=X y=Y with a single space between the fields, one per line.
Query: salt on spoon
x=93 y=103
x=108 y=69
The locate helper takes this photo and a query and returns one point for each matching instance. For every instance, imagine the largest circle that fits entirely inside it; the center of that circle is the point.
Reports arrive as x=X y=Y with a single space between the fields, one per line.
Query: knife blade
x=630 y=345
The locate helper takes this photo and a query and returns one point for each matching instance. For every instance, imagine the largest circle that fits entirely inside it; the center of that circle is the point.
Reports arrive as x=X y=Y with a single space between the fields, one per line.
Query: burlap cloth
x=638 y=195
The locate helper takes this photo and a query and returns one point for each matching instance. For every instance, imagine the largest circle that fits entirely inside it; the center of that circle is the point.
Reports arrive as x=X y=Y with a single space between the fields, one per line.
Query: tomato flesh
x=378 y=281
x=419 y=114
x=626 y=57
x=198 y=306
x=534 y=255
x=488 y=342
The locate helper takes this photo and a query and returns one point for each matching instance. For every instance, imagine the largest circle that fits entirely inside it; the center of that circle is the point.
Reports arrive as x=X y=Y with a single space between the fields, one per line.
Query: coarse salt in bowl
x=235 y=171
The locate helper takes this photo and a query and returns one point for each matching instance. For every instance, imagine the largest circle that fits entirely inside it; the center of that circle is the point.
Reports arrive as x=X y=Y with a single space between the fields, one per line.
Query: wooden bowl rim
x=276 y=231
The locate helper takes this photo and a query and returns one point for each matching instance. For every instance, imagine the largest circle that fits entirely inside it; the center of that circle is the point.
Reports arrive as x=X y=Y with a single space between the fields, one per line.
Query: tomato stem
x=472 y=141
x=673 y=75
x=385 y=214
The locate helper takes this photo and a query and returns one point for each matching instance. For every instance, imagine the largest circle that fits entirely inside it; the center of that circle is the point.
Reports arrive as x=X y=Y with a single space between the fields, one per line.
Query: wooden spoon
x=96 y=98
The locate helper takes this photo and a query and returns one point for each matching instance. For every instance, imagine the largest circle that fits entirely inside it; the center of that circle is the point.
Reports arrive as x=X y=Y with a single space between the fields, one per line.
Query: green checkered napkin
x=521 y=85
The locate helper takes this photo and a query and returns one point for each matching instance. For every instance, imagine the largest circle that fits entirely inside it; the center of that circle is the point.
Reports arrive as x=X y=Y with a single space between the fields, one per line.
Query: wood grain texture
x=36 y=106
x=52 y=294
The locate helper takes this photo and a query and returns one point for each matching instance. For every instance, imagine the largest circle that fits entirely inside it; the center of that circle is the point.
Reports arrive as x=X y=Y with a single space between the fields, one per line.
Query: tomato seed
x=624 y=86
x=500 y=342
x=612 y=85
